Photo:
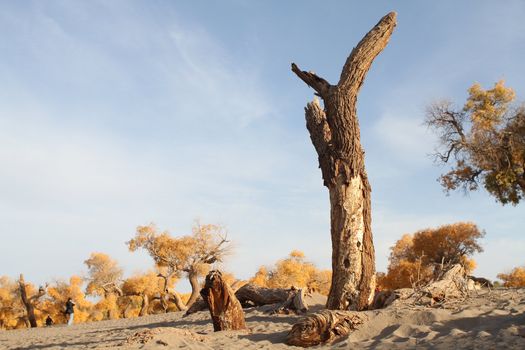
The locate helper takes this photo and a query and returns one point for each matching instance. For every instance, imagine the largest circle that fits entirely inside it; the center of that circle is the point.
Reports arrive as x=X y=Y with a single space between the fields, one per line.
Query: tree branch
x=361 y=57
x=320 y=85
x=320 y=135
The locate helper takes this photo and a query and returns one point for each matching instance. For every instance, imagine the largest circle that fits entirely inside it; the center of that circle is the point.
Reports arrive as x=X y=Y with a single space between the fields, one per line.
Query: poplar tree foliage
x=104 y=279
x=57 y=295
x=417 y=258
x=189 y=255
x=484 y=142
x=104 y=275
x=296 y=271
x=12 y=311
x=514 y=278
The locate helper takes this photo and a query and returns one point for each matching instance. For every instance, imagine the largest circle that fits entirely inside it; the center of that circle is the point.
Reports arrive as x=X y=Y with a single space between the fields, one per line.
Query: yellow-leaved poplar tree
x=514 y=278
x=190 y=255
x=484 y=141
x=12 y=311
x=417 y=258
x=144 y=288
x=58 y=294
x=294 y=271
x=104 y=279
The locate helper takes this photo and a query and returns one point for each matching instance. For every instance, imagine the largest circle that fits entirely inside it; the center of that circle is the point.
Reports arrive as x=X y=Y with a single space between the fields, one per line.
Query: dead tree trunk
x=29 y=301
x=226 y=311
x=145 y=305
x=194 y=282
x=176 y=298
x=284 y=300
x=324 y=327
x=253 y=295
x=336 y=137
x=166 y=295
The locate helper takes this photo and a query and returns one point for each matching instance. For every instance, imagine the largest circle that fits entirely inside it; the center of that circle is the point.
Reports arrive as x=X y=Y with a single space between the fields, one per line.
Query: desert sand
x=485 y=320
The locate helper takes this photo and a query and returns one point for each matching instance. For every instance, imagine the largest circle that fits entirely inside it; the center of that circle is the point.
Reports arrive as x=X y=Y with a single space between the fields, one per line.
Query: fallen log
x=252 y=295
x=295 y=303
x=451 y=284
x=324 y=327
x=284 y=300
x=225 y=310
x=482 y=282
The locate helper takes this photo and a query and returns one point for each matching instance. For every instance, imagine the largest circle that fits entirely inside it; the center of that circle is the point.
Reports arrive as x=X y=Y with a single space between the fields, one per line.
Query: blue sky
x=115 y=114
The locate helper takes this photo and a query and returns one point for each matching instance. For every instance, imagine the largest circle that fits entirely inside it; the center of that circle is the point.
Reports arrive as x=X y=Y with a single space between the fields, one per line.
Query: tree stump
x=226 y=311
x=324 y=327
x=451 y=284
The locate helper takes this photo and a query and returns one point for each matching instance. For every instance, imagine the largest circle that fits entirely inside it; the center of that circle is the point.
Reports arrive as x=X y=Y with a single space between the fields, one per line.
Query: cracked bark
x=225 y=309
x=334 y=132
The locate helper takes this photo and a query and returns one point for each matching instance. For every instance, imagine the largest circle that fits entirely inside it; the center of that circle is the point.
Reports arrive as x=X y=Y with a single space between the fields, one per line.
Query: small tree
x=484 y=141
x=189 y=255
x=148 y=286
x=294 y=271
x=104 y=278
x=419 y=257
x=515 y=278
x=104 y=275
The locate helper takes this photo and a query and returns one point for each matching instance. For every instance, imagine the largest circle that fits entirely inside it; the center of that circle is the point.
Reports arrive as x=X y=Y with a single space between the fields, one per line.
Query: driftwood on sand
x=249 y=295
x=284 y=300
x=226 y=311
x=324 y=327
x=328 y=326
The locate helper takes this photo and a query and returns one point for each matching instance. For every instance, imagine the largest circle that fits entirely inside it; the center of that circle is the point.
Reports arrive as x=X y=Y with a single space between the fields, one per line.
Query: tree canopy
x=418 y=257
x=104 y=275
x=190 y=255
x=296 y=271
x=514 y=278
x=484 y=141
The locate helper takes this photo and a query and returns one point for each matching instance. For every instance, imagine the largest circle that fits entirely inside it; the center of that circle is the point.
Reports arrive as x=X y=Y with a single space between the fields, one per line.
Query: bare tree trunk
x=335 y=135
x=175 y=297
x=145 y=305
x=226 y=311
x=194 y=282
x=170 y=295
x=28 y=301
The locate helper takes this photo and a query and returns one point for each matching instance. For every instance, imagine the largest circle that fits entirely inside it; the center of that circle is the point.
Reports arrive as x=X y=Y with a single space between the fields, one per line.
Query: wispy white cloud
x=404 y=138
x=114 y=114
x=74 y=181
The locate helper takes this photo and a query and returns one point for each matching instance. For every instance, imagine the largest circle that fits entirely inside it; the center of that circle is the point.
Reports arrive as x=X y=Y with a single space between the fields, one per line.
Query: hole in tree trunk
x=347 y=263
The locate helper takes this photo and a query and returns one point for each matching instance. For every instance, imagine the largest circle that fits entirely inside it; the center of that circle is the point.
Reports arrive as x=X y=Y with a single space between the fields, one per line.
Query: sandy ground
x=486 y=320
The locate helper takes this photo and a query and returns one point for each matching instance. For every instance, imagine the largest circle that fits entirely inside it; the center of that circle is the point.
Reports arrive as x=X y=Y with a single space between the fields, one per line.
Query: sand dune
x=486 y=320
